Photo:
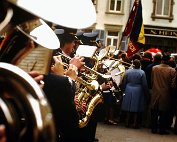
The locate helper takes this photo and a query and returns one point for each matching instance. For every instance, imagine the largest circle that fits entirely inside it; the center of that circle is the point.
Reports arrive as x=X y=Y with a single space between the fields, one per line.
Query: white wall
x=114 y=19
x=147 y=6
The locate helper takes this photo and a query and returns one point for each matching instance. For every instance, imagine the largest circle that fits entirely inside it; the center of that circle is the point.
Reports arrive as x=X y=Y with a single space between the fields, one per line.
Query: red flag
x=130 y=22
x=134 y=29
x=133 y=47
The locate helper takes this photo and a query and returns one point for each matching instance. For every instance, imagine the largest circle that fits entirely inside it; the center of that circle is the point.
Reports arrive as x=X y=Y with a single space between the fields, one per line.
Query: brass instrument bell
x=18 y=41
x=58 y=13
x=24 y=109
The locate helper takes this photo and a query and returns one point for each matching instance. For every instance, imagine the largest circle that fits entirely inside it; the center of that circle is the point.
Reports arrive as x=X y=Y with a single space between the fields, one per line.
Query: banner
x=134 y=29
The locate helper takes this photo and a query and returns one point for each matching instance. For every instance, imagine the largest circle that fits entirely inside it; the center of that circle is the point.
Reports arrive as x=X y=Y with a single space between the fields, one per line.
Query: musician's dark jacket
x=60 y=93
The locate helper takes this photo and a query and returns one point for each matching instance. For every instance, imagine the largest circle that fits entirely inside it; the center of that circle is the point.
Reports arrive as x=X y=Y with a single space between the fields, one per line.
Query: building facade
x=159 y=20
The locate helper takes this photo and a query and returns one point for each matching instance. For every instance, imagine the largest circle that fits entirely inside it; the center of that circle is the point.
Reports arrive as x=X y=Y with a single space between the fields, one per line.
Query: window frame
x=112 y=38
x=109 y=11
x=170 y=17
x=113 y=28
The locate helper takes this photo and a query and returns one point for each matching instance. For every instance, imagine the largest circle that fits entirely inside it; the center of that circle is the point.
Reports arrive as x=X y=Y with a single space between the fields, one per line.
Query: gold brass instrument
x=94 y=101
x=104 y=76
x=91 y=95
x=107 y=53
x=24 y=110
x=6 y=13
x=91 y=86
x=128 y=65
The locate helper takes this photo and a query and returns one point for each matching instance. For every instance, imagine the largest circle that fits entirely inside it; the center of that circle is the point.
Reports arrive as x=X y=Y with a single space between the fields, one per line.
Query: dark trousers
x=89 y=131
x=159 y=120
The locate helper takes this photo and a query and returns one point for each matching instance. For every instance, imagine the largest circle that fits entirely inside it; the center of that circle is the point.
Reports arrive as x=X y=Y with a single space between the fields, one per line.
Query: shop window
x=162 y=9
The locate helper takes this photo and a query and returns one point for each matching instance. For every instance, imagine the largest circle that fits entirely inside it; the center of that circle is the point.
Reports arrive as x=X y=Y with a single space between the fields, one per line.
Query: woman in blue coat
x=135 y=88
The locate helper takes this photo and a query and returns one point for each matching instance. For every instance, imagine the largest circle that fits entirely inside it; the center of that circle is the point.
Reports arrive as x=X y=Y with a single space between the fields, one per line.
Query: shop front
x=162 y=38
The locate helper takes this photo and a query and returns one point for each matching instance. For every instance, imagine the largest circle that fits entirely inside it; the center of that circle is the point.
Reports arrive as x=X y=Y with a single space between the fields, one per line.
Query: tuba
x=24 y=109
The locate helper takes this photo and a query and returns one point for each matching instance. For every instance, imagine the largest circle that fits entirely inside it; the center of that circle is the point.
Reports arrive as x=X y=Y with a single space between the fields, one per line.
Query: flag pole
x=130 y=21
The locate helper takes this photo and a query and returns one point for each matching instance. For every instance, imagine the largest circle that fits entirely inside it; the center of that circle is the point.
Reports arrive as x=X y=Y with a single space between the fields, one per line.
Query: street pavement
x=119 y=133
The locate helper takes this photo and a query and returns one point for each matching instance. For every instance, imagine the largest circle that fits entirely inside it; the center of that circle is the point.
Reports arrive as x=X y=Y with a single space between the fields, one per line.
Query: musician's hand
x=82 y=69
x=72 y=72
x=80 y=106
x=58 y=68
x=77 y=61
x=37 y=77
x=2 y=133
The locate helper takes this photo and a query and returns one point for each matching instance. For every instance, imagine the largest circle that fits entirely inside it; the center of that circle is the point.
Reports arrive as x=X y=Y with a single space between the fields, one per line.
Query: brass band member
x=89 y=131
x=60 y=91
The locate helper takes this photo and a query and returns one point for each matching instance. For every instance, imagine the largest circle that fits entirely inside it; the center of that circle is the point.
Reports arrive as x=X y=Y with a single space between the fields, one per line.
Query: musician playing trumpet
x=57 y=101
x=60 y=90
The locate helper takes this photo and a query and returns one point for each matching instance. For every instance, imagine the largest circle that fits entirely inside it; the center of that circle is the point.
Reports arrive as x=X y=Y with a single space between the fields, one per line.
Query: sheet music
x=39 y=59
x=86 y=50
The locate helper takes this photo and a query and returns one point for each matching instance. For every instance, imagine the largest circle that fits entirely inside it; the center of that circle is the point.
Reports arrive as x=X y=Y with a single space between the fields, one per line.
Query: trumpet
x=94 y=85
x=104 y=76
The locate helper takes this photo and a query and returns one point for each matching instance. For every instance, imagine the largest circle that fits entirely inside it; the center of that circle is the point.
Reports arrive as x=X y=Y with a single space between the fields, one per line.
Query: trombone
x=120 y=60
x=128 y=65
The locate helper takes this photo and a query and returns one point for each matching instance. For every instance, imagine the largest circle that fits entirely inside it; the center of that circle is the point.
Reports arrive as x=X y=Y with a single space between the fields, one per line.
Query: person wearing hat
x=67 y=37
x=60 y=91
x=78 y=41
x=100 y=45
x=161 y=98
x=90 y=38
x=89 y=131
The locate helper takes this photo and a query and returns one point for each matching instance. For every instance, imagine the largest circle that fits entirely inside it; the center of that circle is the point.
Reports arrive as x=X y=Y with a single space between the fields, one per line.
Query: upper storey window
x=163 y=9
x=115 y=6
